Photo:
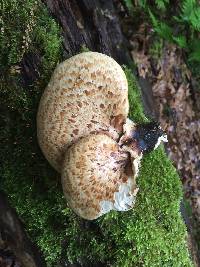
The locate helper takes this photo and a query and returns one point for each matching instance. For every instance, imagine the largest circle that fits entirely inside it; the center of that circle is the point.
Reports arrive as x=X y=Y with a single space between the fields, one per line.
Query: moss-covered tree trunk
x=85 y=24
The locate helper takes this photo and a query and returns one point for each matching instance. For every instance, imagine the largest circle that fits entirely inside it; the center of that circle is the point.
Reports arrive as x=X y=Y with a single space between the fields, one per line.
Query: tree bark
x=90 y=23
x=13 y=238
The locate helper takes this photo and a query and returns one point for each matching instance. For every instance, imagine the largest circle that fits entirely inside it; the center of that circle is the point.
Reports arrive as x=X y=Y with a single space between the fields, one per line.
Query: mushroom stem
x=141 y=138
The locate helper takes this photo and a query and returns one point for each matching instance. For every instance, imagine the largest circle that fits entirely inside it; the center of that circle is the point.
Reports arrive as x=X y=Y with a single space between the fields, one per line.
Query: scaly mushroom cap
x=98 y=177
x=87 y=93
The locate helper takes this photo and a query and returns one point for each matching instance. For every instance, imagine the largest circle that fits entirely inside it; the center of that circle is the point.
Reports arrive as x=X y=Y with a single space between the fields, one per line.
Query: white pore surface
x=160 y=139
x=124 y=199
x=136 y=164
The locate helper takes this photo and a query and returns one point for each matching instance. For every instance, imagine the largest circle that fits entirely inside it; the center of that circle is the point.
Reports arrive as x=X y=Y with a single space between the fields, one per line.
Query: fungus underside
x=152 y=234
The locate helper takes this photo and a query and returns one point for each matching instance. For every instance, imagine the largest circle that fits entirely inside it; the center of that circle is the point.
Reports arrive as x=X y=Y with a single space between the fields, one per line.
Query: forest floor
x=176 y=95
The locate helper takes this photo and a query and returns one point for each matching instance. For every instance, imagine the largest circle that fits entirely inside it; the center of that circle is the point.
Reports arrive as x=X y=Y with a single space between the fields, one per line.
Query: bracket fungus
x=84 y=133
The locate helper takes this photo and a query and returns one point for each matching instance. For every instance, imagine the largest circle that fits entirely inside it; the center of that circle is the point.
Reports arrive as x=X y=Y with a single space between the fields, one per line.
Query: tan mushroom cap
x=97 y=177
x=87 y=93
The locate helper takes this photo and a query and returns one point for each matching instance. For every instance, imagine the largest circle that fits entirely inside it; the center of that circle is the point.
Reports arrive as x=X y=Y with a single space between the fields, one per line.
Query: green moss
x=136 y=112
x=84 y=48
x=152 y=234
x=25 y=26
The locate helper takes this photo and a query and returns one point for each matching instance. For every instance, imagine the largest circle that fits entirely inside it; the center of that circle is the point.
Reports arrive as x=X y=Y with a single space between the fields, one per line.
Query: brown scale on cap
x=85 y=93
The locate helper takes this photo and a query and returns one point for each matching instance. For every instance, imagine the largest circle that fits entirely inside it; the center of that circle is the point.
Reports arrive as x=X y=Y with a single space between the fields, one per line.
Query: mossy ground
x=152 y=234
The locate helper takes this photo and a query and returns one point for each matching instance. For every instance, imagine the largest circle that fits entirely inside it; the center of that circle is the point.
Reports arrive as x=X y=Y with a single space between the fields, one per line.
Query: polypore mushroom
x=84 y=133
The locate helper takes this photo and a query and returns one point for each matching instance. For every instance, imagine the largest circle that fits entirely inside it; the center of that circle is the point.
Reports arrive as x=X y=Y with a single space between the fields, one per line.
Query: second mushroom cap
x=97 y=177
